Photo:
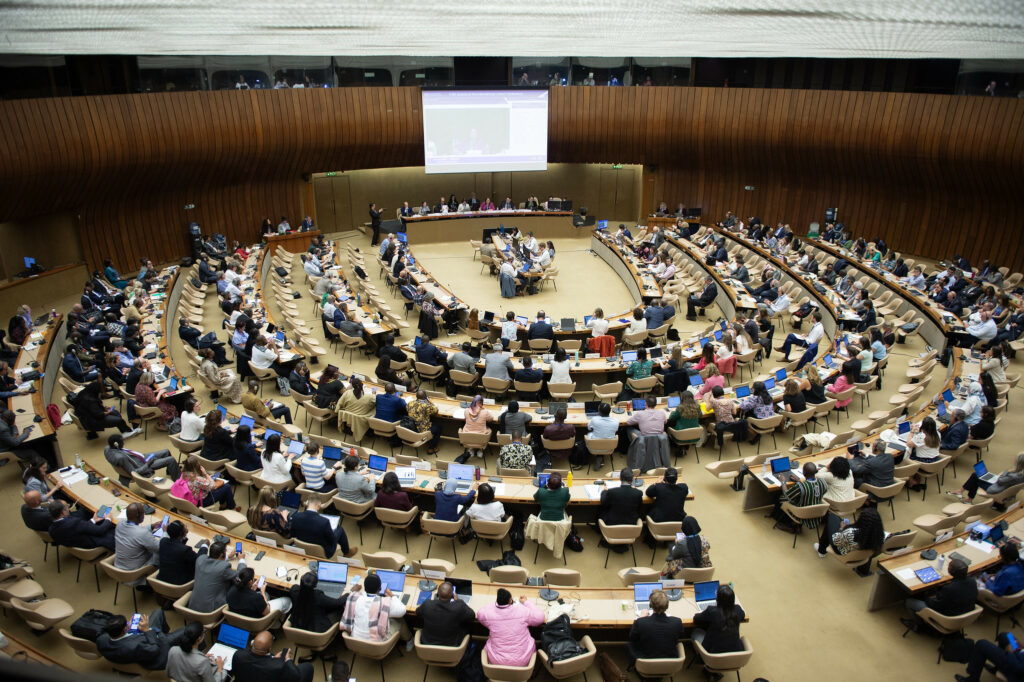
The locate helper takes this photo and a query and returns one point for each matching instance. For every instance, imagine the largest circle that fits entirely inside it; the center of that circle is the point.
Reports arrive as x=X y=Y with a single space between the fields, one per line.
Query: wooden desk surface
x=26 y=407
x=982 y=554
x=596 y=607
x=292 y=242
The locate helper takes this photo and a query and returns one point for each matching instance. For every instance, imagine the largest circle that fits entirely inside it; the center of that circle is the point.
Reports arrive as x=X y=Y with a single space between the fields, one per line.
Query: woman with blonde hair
x=355 y=407
x=813 y=387
x=264 y=515
x=712 y=378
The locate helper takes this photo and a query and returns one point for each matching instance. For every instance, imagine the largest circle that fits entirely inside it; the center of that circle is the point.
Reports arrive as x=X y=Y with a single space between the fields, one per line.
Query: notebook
x=229 y=640
x=705 y=593
x=331 y=578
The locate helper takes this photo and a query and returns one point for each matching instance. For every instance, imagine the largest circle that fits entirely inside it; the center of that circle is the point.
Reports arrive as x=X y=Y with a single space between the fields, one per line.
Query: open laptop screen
x=393 y=580
x=642 y=591
x=705 y=591
x=332 y=572
x=780 y=464
x=629 y=356
x=378 y=462
x=232 y=636
x=462 y=472
x=332 y=453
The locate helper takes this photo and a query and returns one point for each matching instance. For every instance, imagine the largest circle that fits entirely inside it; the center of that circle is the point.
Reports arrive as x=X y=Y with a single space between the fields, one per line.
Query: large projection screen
x=475 y=131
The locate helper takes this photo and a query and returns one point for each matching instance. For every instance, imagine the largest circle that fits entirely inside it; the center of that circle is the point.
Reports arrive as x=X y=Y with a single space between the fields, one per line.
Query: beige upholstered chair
x=508 y=575
x=396 y=519
x=507 y=673
x=620 y=535
x=571 y=667
x=490 y=530
x=662 y=667
x=438 y=656
x=375 y=651
x=726 y=662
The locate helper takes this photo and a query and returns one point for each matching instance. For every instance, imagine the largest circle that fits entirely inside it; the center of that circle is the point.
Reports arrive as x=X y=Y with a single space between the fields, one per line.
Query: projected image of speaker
x=478 y=131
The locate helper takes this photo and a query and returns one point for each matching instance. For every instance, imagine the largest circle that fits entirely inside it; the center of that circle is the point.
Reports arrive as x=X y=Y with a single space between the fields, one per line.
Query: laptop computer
x=29 y=262
x=223 y=411
x=642 y=595
x=718 y=335
x=655 y=352
x=567 y=323
x=279 y=336
x=488 y=317
x=781 y=468
x=743 y=391
x=402 y=237
x=296 y=447
x=463 y=588
x=940 y=409
x=903 y=431
x=270 y=432
x=983 y=474
x=555 y=407
x=780 y=375
x=996 y=535
x=173 y=385
x=331 y=453
x=393 y=580
x=696 y=380
x=541 y=480
x=673 y=402
x=705 y=593
x=290 y=500
x=331 y=578
x=769 y=383
x=406 y=475
x=829 y=362
x=947 y=395
x=591 y=408
x=586 y=319
x=464 y=474
x=523 y=320
x=639 y=403
x=629 y=356
x=229 y=640
x=378 y=465
x=703 y=342
x=245 y=421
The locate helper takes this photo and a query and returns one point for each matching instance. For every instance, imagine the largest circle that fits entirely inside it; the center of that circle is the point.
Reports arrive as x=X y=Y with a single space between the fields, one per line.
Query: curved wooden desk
x=460 y=227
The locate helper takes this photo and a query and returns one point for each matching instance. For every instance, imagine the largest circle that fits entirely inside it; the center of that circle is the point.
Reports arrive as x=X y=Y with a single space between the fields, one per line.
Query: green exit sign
x=617 y=166
x=331 y=174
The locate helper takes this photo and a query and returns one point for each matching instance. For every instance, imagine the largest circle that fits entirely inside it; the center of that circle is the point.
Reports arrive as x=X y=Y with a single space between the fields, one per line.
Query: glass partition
x=530 y=71
x=239 y=73
x=600 y=71
x=170 y=74
x=661 y=71
x=991 y=77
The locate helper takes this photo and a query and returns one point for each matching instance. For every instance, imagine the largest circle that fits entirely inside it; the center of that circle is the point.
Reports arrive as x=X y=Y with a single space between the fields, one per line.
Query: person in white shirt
x=277 y=467
x=560 y=368
x=484 y=507
x=509 y=329
x=191 y=423
x=531 y=243
x=508 y=269
x=330 y=307
x=780 y=304
x=311 y=267
x=264 y=356
x=365 y=598
x=546 y=255
x=669 y=272
x=231 y=275
x=982 y=327
x=444 y=209
x=464 y=206
x=386 y=242
x=639 y=322
x=598 y=325
x=659 y=266
x=810 y=342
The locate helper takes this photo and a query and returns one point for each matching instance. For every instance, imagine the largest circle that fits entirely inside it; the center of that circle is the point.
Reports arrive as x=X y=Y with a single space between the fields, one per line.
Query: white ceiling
x=981 y=29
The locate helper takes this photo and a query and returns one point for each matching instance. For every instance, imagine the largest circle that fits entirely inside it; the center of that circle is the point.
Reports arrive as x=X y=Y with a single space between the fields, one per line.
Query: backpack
x=573 y=541
x=53 y=414
x=408 y=422
x=517 y=534
x=91 y=624
x=557 y=641
x=283 y=387
x=470 y=668
x=956 y=648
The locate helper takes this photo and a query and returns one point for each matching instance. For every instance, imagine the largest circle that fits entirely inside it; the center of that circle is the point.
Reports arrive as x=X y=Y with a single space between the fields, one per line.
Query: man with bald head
x=135 y=543
x=33 y=513
x=258 y=665
x=446 y=619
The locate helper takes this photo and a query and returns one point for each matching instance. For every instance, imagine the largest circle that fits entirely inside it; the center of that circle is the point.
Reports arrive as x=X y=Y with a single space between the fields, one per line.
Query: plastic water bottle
x=78 y=460
x=53 y=313
x=764 y=468
x=942 y=562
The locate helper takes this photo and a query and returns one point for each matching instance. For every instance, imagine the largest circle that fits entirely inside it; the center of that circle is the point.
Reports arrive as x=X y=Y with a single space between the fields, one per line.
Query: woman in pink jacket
x=510 y=641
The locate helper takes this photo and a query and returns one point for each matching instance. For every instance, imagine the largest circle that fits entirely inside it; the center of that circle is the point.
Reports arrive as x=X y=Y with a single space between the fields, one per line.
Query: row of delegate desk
x=454 y=227
x=595 y=609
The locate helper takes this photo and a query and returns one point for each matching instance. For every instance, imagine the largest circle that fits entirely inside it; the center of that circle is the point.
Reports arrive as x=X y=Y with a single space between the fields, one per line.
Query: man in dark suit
x=952 y=599
x=406 y=210
x=446 y=619
x=540 y=329
x=374 y=224
x=655 y=635
x=528 y=375
x=702 y=300
x=309 y=526
x=669 y=498
x=33 y=513
x=621 y=506
x=257 y=665
x=429 y=354
x=193 y=336
x=72 y=531
x=956 y=433
x=147 y=646
x=177 y=560
x=876 y=470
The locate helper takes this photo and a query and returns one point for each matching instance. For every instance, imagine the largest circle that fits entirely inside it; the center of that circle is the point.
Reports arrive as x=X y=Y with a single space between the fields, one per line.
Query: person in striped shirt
x=317 y=474
x=805 y=493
